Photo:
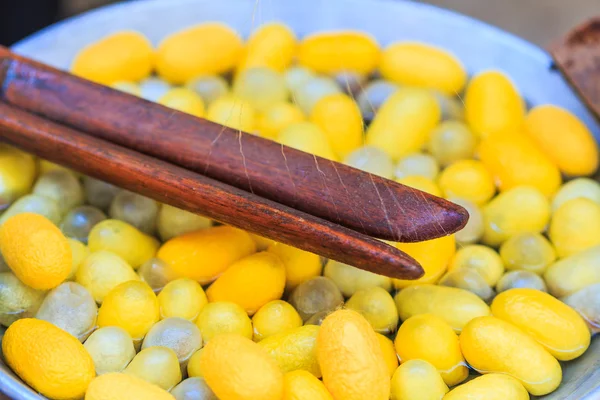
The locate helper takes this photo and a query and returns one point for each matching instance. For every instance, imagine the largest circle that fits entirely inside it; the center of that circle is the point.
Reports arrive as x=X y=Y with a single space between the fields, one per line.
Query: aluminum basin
x=478 y=45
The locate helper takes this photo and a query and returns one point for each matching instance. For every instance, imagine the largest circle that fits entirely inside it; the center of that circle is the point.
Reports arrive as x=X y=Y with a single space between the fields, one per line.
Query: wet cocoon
x=549 y=321
x=456 y=306
x=573 y=273
x=489 y=387
x=35 y=250
x=250 y=282
x=417 y=379
x=332 y=52
x=404 y=122
x=204 y=255
x=123 y=239
x=204 y=49
x=351 y=359
x=493 y=104
x=50 y=360
x=430 y=338
x=272 y=45
x=563 y=138
x=236 y=368
x=123 y=56
x=422 y=65
x=433 y=255
x=339 y=118
x=298 y=385
x=514 y=159
x=490 y=345
x=295 y=349
x=118 y=386
x=389 y=353
x=521 y=209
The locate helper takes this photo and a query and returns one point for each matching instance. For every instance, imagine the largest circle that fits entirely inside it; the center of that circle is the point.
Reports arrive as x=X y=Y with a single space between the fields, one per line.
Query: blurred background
x=540 y=21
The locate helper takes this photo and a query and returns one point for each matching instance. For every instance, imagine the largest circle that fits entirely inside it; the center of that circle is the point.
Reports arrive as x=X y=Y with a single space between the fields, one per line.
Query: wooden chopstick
x=577 y=55
x=181 y=188
x=346 y=196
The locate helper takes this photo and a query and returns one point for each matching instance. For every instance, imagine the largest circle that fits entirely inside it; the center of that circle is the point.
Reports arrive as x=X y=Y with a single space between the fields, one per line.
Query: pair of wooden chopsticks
x=230 y=176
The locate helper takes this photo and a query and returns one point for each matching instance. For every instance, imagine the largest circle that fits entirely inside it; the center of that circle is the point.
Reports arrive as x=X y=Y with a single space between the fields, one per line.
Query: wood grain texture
x=577 y=55
x=181 y=188
x=338 y=193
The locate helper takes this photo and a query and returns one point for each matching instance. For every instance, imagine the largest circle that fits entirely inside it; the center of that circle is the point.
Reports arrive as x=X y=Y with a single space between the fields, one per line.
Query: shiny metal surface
x=478 y=45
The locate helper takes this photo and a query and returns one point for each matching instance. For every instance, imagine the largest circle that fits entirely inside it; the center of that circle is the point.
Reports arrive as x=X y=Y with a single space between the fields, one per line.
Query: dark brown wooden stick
x=577 y=55
x=360 y=201
x=184 y=189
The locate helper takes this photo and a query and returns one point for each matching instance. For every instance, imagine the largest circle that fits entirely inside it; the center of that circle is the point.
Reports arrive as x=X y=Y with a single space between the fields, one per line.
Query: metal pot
x=478 y=45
